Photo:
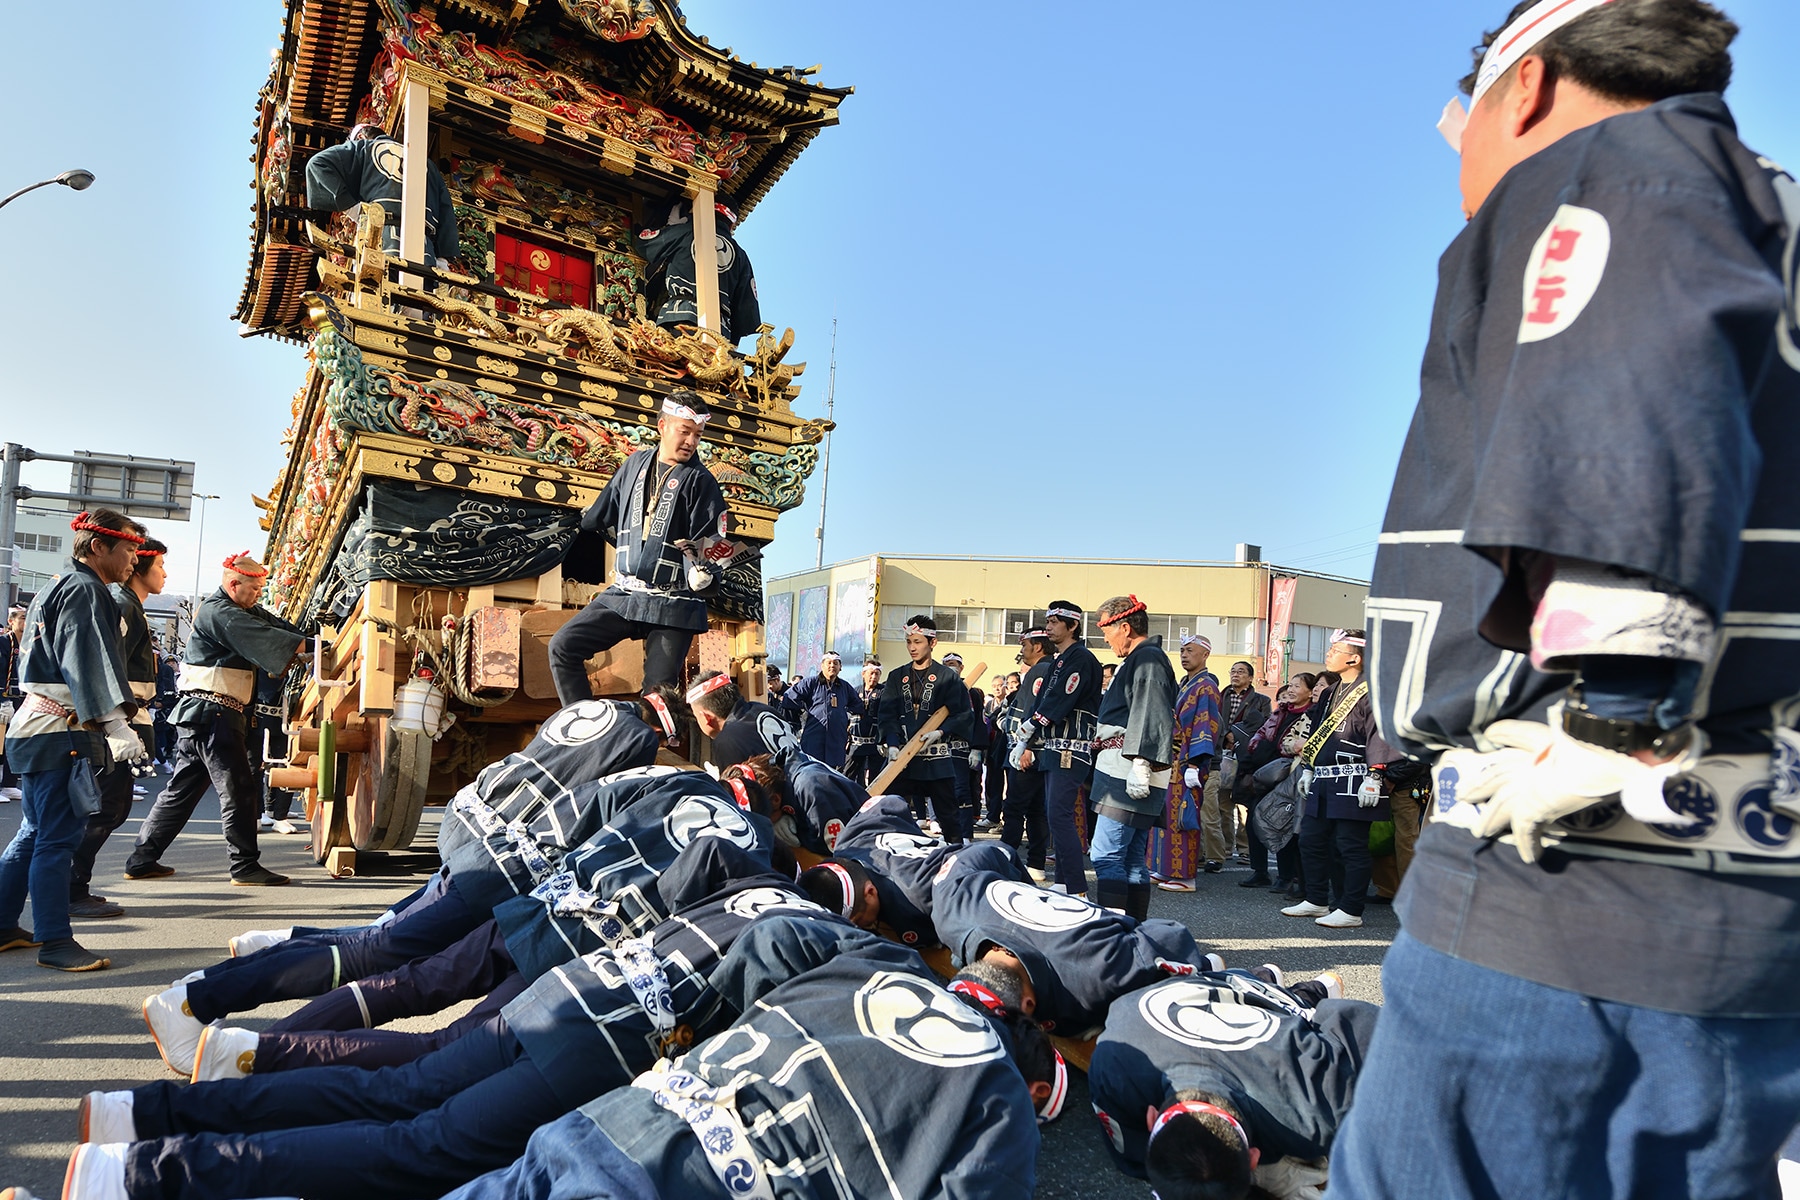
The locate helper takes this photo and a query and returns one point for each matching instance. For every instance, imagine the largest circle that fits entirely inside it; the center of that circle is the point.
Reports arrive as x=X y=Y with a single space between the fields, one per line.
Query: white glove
x=893 y=752
x=698 y=577
x=1015 y=757
x=931 y=739
x=1545 y=775
x=1369 y=794
x=974 y=760
x=6 y=712
x=1191 y=777
x=122 y=742
x=1137 y=784
x=1292 y=1179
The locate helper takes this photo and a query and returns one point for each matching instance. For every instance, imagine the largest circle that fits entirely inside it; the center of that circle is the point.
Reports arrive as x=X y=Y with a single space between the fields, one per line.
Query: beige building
x=982 y=605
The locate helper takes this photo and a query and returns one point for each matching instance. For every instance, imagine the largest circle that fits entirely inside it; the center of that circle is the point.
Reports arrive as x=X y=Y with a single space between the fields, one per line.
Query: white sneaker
x=1214 y=962
x=1280 y=976
x=1337 y=918
x=265 y=822
x=138 y=793
x=290 y=827
x=107 y=1117
x=252 y=940
x=1334 y=984
x=190 y=977
x=1037 y=876
x=1062 y=888
x=174 y=1028
x=8 y=795
x=1305 y=908
x=224 y=1053
x=96 y=1172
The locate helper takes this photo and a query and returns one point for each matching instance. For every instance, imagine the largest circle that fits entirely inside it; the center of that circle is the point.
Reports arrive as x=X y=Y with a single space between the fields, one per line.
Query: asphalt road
x=63 y=1035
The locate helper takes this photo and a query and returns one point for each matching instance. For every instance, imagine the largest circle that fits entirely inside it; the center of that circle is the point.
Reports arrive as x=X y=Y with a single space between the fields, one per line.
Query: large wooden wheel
x=385 y=787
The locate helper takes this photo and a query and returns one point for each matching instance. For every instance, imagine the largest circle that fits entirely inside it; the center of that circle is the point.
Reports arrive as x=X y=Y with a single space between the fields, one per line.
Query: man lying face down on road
x=640 y=821
x=587 y=1026
x=853 y=1072
x=1211 y=1083
x=884 y=847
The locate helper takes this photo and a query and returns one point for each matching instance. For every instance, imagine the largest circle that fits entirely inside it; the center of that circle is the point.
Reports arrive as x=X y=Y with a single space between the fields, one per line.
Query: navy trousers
x=414 y=1130
x=1061 y=790
x=567 y=1158
x=115 y=808
x=210 y=753
x=291 y=972
x=353 y=1046
x=1023 y=815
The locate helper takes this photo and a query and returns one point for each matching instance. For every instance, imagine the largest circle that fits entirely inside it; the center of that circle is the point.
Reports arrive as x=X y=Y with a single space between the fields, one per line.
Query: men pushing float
x=233 y=636
x=665 y=516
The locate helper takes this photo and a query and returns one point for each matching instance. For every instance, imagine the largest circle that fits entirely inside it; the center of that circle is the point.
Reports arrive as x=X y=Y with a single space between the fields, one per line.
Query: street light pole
x=76 y=180
x=200 y=546
x=9 y=514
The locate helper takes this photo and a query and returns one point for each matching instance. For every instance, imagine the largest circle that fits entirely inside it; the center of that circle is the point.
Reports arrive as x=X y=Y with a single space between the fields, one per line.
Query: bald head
x=242 y=580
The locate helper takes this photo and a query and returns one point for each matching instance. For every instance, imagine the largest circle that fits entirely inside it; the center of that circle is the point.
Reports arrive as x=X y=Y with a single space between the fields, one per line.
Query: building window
x=1243 y=635
x=969 y=626
x=43 y=543
x=1310 y=643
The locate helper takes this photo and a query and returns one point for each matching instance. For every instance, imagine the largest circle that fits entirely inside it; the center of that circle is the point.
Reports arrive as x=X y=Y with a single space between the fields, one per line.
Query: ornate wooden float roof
x=606 y=80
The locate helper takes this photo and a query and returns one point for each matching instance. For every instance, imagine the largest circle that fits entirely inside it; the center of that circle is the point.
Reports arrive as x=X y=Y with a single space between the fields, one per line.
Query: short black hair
x=147 y=554
x=721 y=700
x=1247 y=665
x=1632 y=50
x=1032 y=1052
x=1198 y=1156
x=826 y=890
x=679 y=713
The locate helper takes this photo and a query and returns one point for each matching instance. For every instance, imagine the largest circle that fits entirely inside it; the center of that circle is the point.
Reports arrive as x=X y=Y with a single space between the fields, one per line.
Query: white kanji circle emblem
x=924 y=1022
x=581 y=722
x=704 y=816
x=758 y=902
x=906 y=845
x=1034 y=908
x=775 y=733
x=1186 y=1012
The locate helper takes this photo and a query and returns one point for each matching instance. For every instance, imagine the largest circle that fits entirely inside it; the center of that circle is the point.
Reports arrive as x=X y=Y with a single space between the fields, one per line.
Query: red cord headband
x=742 y=793
x=707 y=687
x=148 y=553
x=1137 y=606
x=230 y=564
x=1196 y=1107
x=83 y=521
x=662 y=714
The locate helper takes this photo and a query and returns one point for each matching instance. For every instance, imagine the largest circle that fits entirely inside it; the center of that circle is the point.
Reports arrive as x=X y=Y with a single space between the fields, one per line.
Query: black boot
x=1137 y=901
x=1110 y=893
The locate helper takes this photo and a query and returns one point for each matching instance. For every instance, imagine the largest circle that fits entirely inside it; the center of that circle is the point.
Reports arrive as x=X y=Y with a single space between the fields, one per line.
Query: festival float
x=455 y=420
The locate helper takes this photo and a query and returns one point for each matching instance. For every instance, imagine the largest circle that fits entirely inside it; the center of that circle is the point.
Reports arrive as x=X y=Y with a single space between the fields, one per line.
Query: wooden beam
x=416 y=173
x=706 y=262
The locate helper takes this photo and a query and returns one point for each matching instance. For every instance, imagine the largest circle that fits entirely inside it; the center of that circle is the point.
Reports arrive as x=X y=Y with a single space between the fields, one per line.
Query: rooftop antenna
x=825 y=468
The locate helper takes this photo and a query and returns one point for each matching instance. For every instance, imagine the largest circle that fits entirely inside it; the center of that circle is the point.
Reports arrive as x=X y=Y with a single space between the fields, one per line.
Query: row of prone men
x=670 y=1007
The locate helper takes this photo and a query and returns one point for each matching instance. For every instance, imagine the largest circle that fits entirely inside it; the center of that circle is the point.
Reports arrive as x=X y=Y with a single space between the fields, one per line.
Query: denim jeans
x=1482 y=1085
x=1118 y=851
x=569 y=1157
x=41 y=854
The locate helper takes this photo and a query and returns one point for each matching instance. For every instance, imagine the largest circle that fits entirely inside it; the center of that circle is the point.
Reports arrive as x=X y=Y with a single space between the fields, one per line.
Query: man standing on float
x=233 y=636
x=663 y=512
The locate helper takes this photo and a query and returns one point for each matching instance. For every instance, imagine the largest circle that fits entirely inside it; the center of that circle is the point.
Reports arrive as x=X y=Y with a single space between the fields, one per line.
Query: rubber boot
x=1110 y=893
x=1137 y=901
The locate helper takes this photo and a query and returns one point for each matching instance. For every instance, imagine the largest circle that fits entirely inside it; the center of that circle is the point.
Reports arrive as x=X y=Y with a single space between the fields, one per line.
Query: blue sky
x=1110 y=280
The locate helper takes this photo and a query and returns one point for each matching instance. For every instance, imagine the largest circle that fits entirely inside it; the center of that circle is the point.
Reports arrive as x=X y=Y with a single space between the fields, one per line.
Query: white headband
x=920 y=629
x=1341 y=637
x=832 y=655
x=1515 y=42
x=1194 y=639
x=849 y=887
x=1068 y=614
x=672 y=407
